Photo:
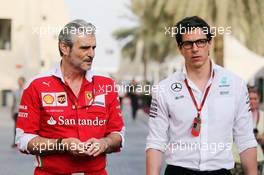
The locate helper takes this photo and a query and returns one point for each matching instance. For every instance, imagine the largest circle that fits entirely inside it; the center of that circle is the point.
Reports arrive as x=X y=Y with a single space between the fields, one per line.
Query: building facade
x=28 y=40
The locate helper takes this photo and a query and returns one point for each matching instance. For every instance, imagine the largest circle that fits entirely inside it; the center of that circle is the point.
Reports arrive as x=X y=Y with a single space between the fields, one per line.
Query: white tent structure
x=240 y=60
x=237 y=59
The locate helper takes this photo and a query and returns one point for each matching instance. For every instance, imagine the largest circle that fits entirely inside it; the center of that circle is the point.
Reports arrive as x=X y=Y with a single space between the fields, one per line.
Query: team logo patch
x=48 y=99
x=88 y=97
x=224 y=82
x=61 y=99
x=99 y=100
x=51 y=121
x=54 y=99
x=176 y=87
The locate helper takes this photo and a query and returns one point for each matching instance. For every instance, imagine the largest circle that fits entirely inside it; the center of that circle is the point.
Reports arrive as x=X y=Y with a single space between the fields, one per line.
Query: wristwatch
x=59 y=145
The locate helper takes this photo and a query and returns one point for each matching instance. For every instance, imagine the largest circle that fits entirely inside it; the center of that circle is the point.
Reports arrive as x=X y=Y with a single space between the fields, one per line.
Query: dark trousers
x=176 y=170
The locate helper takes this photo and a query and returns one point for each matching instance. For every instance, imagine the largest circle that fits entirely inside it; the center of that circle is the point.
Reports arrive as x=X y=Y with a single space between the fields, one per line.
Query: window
x=5 y=34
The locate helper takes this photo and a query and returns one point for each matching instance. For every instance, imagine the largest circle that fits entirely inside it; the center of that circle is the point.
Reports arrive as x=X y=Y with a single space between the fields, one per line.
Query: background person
x=16 y=101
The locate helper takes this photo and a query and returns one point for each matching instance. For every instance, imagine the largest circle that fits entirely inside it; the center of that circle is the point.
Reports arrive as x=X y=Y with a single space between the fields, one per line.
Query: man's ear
x=210 y=46
x=179 y=48
x=65 y=49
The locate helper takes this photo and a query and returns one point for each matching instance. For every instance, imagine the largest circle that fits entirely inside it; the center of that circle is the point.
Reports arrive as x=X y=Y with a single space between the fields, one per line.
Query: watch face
x=60 y=145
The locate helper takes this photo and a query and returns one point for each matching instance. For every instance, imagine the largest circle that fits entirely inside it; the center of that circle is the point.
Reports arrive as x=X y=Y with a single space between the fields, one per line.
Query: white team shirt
x=225 y=117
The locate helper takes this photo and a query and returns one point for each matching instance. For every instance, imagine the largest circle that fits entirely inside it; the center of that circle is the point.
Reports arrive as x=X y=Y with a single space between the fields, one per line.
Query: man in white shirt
x=197 y=113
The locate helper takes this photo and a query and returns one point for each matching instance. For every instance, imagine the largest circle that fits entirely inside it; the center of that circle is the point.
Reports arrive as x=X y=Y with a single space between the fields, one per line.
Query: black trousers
x=176 y=170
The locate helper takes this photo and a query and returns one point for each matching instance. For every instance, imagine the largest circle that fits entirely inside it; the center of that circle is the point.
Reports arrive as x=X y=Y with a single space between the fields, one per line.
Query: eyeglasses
x=199 y=43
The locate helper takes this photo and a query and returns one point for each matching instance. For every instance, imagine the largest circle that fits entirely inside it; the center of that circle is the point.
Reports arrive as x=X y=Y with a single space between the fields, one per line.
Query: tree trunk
x=219 y=49
x=145 y=67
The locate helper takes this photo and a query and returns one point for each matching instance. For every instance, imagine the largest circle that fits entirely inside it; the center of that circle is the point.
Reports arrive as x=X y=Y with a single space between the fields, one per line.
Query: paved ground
x=11 y=161
x=131 y=161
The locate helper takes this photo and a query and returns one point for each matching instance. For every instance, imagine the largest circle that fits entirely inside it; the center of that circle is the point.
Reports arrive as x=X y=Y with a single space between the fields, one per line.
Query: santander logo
x=51 y=121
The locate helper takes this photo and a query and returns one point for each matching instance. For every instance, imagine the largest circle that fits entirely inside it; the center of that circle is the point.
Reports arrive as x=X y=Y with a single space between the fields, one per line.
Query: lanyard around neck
x=199 y=109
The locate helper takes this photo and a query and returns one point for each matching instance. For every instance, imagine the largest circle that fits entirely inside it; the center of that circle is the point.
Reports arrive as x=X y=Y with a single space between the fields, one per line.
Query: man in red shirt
x=68 y=117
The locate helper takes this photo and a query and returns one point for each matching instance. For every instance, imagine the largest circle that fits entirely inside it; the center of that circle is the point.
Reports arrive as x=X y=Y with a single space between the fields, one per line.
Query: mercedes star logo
x=176 y=87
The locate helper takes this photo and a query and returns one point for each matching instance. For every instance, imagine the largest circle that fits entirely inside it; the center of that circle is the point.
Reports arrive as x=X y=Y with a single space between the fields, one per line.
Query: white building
x=28 y=39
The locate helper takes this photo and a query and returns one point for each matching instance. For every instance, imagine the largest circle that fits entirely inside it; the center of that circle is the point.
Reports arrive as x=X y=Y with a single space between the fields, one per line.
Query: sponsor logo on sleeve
x=248 y=101
x=22 y=114
x=24 y=107
x=153 y=112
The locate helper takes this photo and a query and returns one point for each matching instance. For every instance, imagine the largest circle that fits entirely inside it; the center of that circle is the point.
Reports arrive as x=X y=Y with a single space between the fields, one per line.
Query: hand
x=95 y=146
x=260 y=139
x=74 y=146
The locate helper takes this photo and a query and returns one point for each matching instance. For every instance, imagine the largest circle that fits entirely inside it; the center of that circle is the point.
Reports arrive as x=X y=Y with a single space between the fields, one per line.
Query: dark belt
x=177 y=170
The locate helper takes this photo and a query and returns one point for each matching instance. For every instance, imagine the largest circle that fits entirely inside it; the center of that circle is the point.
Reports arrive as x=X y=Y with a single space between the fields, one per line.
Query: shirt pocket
x=96 y=111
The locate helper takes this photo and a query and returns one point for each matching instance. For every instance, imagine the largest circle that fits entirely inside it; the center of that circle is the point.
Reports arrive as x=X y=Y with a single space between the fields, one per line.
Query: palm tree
x=246 y=18
x=149 y=34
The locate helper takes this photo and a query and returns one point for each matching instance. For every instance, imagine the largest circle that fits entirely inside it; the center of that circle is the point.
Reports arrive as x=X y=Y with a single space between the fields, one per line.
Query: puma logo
x=48 y=84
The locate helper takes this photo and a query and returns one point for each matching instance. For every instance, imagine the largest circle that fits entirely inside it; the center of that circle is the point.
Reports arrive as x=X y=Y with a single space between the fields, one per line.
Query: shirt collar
x=56 y=71
x=213 y=69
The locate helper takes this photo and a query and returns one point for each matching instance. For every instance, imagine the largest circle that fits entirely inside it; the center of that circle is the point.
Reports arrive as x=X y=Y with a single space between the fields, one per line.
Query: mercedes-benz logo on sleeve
x=176 y=87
